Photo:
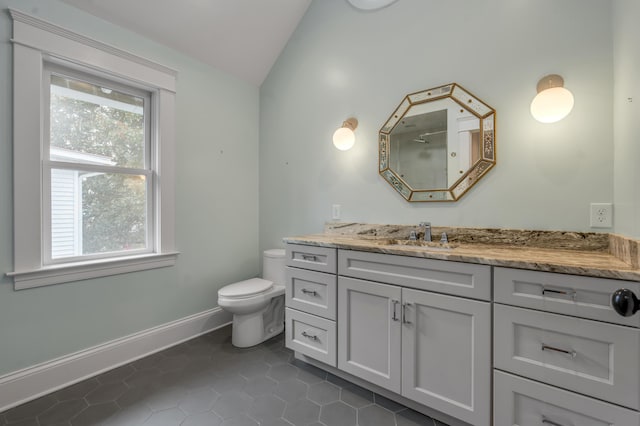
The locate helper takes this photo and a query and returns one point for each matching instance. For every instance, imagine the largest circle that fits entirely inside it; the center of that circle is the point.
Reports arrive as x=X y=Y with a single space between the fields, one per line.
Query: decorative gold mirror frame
x=487 y=158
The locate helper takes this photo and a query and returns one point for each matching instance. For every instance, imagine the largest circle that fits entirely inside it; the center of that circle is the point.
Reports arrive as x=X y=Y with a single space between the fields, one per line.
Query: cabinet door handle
x=395 y=315
x=563 y=351
x=546 y=421
x=404 y=313
x=311 y=292
x=310 y=257
x=310 y=336
x=570 y=293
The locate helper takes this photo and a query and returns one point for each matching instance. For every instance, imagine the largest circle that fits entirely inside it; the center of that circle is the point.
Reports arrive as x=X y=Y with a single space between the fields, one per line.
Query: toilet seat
x=244 y=289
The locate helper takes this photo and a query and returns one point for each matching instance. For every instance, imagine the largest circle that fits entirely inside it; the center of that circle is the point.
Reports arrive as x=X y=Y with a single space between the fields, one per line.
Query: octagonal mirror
x=437 y=144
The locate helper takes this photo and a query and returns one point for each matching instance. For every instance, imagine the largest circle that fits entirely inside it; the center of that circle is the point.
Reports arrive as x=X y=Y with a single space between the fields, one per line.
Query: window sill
x=59 y=274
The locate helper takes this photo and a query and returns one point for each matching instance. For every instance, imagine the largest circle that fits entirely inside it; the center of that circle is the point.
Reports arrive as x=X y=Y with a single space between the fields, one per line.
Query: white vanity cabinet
x=571 y=360
x=480 y=345
x=429 y=347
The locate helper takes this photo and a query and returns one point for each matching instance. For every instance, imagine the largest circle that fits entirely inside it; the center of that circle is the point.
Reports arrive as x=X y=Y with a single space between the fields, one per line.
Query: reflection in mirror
x=431 y=149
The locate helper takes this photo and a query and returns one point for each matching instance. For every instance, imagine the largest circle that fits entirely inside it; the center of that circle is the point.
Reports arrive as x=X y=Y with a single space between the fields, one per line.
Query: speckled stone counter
x=590 y=254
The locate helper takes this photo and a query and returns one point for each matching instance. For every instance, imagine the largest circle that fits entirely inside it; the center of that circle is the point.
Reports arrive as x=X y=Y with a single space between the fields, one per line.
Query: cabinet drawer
x=585 y=297
x=441 y=276
x=597 y=359
x=321 y=259
x=311 y=292
x=523 y=402
x=311 y=335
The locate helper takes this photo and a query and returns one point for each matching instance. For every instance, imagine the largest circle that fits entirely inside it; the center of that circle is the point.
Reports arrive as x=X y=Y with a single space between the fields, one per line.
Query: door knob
x=625 y=302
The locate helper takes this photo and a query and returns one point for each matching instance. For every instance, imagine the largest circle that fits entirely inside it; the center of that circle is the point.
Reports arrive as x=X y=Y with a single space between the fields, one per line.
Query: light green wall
x=342 y=62
x=217 y=211
x=626 y=35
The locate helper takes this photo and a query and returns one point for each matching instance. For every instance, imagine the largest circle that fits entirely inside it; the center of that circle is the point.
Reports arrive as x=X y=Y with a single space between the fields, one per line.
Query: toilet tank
x=273 y=264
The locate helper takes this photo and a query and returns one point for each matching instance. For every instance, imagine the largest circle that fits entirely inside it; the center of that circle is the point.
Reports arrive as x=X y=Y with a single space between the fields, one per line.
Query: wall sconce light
x=553 y=102
x=344 y=138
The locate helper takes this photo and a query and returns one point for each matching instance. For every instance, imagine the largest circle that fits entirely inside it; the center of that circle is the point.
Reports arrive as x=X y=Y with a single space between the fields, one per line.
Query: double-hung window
x=93 y=158
x=97 y=174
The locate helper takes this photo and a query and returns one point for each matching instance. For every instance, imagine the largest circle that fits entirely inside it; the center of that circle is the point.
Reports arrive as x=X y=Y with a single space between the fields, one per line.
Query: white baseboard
x=30 y=383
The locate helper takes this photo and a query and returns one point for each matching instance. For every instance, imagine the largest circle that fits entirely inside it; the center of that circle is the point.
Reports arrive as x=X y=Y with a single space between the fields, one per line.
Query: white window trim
x=34 y=42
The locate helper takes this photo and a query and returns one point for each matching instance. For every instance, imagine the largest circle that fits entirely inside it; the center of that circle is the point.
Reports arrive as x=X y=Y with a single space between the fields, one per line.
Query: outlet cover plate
x=601 y=215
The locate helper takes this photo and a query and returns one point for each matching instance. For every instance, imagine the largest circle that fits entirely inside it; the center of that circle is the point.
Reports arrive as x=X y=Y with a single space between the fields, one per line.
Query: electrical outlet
x=601 y=215
x=335 y=215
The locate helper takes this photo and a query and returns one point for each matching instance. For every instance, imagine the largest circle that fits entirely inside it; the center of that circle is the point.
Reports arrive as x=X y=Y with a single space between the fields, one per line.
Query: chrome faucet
x=427 y=230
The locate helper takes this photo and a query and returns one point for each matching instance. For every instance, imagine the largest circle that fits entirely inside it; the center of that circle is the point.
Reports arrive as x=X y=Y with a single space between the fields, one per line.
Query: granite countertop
x=589 y=254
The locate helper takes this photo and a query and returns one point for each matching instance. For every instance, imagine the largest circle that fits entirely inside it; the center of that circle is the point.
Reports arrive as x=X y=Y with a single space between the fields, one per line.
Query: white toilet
x=257 y=304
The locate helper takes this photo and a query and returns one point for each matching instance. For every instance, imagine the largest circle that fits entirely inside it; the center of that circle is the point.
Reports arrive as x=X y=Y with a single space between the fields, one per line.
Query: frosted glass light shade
x=344 y=138
x=370 y=4
x=553 y=102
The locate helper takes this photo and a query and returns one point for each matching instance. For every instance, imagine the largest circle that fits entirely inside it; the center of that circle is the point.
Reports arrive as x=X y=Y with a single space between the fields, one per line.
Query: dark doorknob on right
x=625 y=302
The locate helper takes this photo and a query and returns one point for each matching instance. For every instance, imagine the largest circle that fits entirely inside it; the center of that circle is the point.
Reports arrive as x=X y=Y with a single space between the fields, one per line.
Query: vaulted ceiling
x=241 y=37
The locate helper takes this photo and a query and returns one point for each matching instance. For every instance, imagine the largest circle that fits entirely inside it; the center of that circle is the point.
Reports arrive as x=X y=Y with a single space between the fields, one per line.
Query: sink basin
x=426 y=245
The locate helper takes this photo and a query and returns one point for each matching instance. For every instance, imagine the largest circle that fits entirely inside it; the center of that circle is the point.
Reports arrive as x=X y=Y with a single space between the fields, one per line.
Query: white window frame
x=36 y=42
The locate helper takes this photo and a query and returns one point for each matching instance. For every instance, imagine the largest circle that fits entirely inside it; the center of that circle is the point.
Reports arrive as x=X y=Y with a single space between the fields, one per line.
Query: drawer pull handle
x=404 y=313
x=546 y=421
x=310 y=336
x=311 y=292
x=395 y=314
x=310 y=257
x=571 y=294
x=551 y=348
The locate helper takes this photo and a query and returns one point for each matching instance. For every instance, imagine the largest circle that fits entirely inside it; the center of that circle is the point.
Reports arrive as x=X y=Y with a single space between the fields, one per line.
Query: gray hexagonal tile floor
x=208 y=382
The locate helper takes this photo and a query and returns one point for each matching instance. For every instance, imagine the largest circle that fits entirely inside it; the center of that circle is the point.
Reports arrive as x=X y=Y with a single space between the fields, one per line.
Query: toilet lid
x=275 y=253
x=245 y=288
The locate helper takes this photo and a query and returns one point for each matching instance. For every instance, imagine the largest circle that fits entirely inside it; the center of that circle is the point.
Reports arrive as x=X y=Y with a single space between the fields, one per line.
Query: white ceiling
x=241 y=37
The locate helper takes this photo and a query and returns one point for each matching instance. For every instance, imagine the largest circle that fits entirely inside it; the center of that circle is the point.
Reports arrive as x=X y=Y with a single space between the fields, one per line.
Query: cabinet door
x=446 y=354
x=369 y=331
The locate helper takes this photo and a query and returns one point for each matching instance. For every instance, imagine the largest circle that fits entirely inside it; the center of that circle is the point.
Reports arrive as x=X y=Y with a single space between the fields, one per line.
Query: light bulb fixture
x=344 y=138
x=553 y=102
x=370 y=4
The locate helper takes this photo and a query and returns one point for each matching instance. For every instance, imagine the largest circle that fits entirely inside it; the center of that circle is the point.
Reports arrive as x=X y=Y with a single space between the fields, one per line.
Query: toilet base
x=253 y=329
x=248 y=330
